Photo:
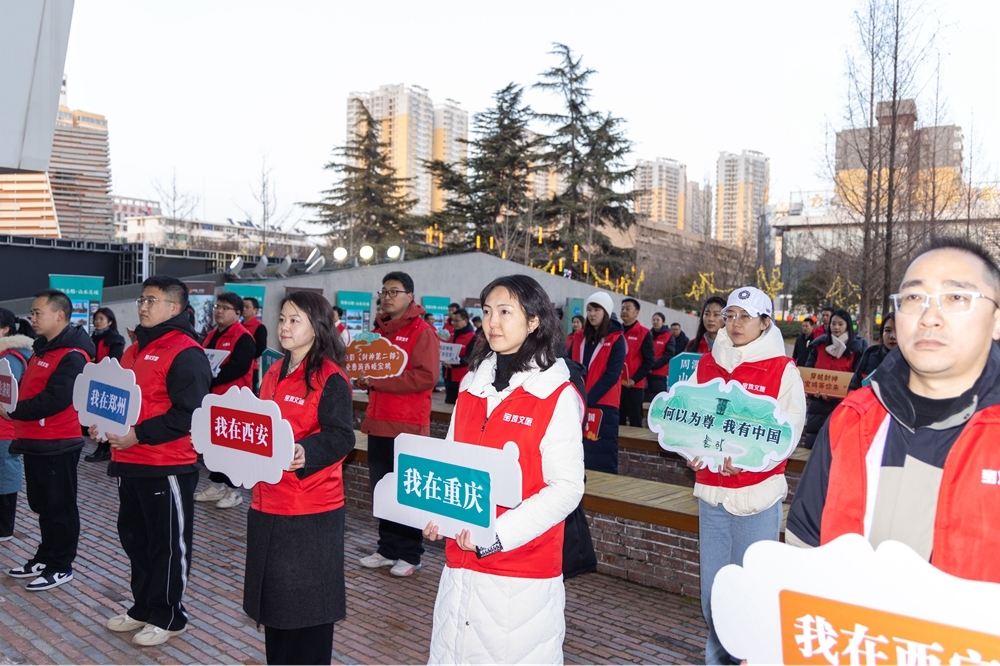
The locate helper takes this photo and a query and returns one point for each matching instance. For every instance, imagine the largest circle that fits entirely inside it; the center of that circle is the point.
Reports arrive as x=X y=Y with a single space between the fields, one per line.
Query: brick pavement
x=608 y=620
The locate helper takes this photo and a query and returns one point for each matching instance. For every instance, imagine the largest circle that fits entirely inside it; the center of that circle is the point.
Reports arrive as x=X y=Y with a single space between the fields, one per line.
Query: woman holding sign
x=504 y=603
x=840 y=350
x=16 y=338
x=737 y=508
x=294 y=582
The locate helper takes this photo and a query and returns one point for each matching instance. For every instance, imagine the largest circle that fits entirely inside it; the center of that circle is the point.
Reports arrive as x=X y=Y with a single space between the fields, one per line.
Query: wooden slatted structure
x=26 y=207
x=80 y=176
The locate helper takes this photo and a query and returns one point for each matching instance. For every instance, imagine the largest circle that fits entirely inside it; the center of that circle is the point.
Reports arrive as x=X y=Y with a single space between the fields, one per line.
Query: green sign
x=247 y=291
x=357 y=307
x=84 y=293
x=682 y=367
x=441 y=488
x=437 y=306
x=574 y=307
x=269 y=358
x=719 y=420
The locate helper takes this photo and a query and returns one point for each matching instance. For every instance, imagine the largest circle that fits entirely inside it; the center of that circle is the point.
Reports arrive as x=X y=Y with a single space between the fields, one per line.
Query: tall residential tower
x=741 y=195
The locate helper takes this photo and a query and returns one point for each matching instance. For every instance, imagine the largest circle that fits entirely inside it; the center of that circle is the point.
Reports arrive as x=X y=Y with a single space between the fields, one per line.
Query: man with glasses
x=397 y=405
x=236 y=370
x=156 y=464
x=47 y=434
x=914 y=456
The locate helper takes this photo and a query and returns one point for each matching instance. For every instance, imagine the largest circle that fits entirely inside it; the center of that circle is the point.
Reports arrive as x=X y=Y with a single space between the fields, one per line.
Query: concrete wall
x=457 y=276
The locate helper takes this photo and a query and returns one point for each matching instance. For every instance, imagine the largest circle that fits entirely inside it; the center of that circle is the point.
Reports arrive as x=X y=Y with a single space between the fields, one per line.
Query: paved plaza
x=608 y=620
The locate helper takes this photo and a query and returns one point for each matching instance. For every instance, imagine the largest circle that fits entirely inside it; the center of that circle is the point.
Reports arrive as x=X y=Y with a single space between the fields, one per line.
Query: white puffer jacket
x=482 y=618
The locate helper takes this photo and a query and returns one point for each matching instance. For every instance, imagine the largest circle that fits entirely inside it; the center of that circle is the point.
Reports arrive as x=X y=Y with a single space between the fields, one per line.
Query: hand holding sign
x=107 y=399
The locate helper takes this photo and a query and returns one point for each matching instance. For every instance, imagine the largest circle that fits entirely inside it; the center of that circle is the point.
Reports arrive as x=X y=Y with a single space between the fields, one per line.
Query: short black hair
x=57 y=301
x=253 y=301
x=232 y=299
x=477 y=320
x=339 y=310
x=965 y=245
x=172 y=287
x=829 y=309
x=674 y=324
x=461 y=312
x=454 y=305
x=402 y=278
x=810 y=319
x=631 y=300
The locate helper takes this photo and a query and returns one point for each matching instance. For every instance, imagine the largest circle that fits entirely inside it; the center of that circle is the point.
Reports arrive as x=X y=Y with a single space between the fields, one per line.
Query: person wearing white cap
x=737 y=508
x=600 y=347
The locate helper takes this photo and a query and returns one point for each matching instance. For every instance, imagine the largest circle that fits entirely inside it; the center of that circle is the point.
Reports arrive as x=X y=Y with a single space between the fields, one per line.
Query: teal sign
x=441 y=488
x=437 y=306
x=247 y=291
x=682 y=367
x=84 y=293
x=719 y=420
x=269 y=358
x=357 y=307
x=574 y=307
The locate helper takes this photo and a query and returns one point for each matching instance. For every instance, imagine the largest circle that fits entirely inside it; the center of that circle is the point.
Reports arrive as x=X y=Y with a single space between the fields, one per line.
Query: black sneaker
x=29 y=570
x=98 y=456
x=49 y=580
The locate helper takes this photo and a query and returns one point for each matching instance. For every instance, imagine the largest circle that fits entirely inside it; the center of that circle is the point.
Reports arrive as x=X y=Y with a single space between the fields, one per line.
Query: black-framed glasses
x=391 y=293
x=223 y=307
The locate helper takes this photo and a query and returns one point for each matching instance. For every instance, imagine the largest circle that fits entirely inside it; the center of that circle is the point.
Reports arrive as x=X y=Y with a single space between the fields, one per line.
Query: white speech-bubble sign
x=499 y=464
x=215 y=359
x=8 y=387
x=804 y=605
x=106 y=394
x=243 y=437
x=451 y=353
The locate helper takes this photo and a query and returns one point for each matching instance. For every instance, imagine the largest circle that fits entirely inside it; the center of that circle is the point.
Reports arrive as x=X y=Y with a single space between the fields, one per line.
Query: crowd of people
x=921 y=404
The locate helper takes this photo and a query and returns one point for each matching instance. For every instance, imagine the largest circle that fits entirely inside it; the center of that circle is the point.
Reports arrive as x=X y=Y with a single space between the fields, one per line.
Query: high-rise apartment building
x=660 y=191
x=451 y=128
x=741 y=194
x=698 y=209
x=409 y=124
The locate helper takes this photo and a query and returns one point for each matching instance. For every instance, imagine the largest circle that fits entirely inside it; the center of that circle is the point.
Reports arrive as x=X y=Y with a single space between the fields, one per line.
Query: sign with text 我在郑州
x=106 y=395
x=455 y=485
x=718 y=420
x=826 y=382
x=882 y=606
x=243 y=437
x=84 y=292
x=373 y=356
x=8 y=387
x=682 y=367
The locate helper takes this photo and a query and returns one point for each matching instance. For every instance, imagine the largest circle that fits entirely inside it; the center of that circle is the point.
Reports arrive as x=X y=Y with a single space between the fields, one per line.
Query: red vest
x=412 y=408
x=252 y=325
x=323 y=490
x=703 y=346
x=826 y=362
x=966 y=540
x=103 y=349
x=542 y=556
x=458 y=373
x=7 y=427
x=818 y=331
x=598 y=364
x=633 y=352
x=227 y=342
x=760 y=377
x=341 y=329
x=660 y=343
x=65 y=424
x=151 y=366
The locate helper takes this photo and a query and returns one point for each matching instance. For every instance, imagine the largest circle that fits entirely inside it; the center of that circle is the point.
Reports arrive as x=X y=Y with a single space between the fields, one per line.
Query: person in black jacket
x=801 y=351
x=663 y=351
x=874 y=355
x=680 y=339
x=638 y=362
x=109 y=343
x=48 y=436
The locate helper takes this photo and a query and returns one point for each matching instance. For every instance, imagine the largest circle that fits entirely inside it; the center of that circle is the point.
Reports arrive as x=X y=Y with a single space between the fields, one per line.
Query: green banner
x=269 y=358
x=85 y=293
x=682 y=367
x=450 y=490
x=437 y=306
x=719 y=420
x=247 y=290
x=357 y=307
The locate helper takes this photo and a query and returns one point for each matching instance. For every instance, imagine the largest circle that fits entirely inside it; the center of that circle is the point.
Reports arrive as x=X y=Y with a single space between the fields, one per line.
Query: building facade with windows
x=741 y=194
x=661 y=188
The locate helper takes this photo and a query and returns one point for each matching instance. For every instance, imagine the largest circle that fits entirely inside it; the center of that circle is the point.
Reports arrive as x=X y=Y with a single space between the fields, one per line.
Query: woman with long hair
x=708 y=326
x=874 y=355
x=16 y=338
x=294 y=581
x=600 y=348
x=504 y=602
x=838 y=349
x=737 y=508
x=106 y=338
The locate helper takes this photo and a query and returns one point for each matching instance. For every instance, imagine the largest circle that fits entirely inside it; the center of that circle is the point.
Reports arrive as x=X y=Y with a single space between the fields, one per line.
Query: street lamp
x=367 y=252
x=393 y=252
x=340 y=253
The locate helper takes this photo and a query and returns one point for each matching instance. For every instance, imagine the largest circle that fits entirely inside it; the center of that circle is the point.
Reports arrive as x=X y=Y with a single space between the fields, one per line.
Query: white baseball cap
x=751 y=299
x=603 y=299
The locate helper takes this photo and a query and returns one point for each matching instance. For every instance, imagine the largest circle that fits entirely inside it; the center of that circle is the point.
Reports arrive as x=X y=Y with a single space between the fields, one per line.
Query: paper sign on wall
x=454 y=485
x=719 y=420
x=884 y=606
x=374 y=356
x=827 y=382
x=682 y=367
x=8 y=387
x=105 y=394
x=215 y=359
x=243 y=437
x=451 y=353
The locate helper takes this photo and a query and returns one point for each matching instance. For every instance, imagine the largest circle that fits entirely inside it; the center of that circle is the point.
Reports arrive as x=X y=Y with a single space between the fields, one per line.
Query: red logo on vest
x=244 y=431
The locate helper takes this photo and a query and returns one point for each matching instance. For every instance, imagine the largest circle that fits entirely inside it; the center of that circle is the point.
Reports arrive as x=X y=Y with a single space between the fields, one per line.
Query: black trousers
x=155 y=528
x=451 y=392
x=309 y=645
x=631 y=407
x=395 y=541
x=219 y=477
x=8 y=512
x=655 y=384
x=51 y=485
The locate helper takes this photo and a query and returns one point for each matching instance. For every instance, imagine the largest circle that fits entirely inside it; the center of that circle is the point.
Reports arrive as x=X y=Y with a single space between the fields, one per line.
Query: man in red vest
x=47 y=434
x=255 y=327
x=464 y=334
x=156 y=464
x=236 y=370
x=397 y=405
x=914 y=456
x=638 y=363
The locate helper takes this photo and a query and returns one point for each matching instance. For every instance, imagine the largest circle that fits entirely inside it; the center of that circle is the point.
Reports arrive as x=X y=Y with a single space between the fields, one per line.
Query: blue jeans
x=722 y=540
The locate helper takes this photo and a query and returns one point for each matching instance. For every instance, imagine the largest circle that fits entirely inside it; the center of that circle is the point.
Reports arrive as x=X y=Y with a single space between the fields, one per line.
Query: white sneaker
x=124 y=622
x=375 y=560
x=404 y=568
x=153 y=635
x=212 y=493
x=231 y=499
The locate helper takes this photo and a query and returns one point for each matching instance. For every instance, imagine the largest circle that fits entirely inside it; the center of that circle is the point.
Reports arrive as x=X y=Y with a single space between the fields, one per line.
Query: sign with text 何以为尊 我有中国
x=106 y=395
